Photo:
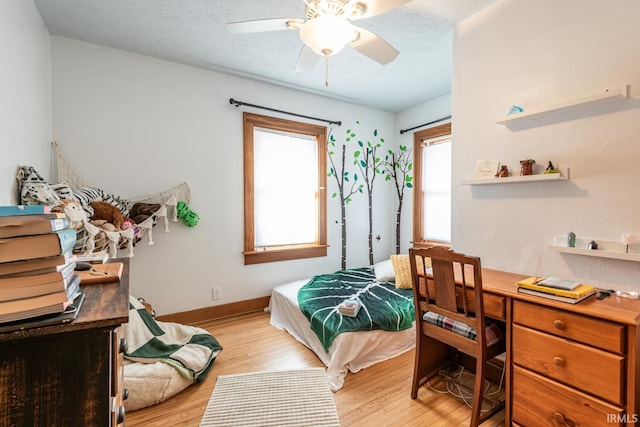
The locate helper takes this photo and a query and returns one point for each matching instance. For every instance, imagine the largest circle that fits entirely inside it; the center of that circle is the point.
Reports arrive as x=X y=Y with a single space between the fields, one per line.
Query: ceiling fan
x=328 y=28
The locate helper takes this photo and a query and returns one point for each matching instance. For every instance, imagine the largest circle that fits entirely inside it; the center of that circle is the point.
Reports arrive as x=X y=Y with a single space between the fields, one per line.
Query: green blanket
x=189 y=349
x=383 y=305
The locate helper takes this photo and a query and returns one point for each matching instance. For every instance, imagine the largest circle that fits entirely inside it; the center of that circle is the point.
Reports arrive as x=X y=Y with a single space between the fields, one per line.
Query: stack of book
x=37 y=265
x=555 y=288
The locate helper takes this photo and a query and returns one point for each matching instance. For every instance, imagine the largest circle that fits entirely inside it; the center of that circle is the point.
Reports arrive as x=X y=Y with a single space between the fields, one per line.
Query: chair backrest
x=453 y=289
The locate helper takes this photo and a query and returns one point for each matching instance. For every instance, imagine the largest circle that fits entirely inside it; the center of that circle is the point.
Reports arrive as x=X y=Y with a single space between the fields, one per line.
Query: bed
x=349 y=351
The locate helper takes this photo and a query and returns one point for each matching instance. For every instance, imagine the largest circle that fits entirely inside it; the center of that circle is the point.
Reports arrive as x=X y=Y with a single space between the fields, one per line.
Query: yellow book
x=578 y=292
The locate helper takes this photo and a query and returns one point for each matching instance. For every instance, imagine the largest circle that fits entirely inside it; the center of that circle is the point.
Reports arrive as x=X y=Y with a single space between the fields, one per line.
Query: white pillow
x=384 y=271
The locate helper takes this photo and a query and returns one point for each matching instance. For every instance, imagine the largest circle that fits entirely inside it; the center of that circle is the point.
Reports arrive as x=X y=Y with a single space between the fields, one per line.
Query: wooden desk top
x=105 y=305
x=612 y=308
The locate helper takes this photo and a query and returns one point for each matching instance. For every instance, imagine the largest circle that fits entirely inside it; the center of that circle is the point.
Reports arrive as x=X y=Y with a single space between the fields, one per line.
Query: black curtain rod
x=239 y=103
x=426 y=124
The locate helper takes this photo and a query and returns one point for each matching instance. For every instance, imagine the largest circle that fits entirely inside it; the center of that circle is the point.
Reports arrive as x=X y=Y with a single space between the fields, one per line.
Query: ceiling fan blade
x=374 y=47
x=259 y=25
x=378 y=7
x=307 y=60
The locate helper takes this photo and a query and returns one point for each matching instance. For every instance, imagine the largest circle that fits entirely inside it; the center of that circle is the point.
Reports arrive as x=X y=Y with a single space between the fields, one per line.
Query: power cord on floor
x=459 y=391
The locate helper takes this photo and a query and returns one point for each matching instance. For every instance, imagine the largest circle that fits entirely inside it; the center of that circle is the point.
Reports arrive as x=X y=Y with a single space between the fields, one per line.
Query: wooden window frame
x=418 y=197
x=285 y=252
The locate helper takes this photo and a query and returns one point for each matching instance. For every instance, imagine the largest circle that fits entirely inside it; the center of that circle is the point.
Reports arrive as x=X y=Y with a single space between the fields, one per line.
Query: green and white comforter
x=383 y=307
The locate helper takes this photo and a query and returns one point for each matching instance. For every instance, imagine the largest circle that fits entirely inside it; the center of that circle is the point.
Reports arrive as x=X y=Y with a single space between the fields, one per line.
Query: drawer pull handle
x=120 y=415
x=558 y=418
x=561 y=420
x=559 y=324
x=559 y=361
x=124 y=346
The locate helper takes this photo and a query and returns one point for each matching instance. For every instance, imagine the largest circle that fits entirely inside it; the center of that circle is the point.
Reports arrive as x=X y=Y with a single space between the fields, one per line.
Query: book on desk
x=37 y=265
x=21 y=248
x=40 y=305
x=560 y=290
x=25 y=286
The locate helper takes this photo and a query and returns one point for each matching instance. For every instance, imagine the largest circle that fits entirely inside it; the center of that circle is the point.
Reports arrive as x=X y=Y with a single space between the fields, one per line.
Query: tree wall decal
x=398 y=166
x=369 y=165
x=347 y=187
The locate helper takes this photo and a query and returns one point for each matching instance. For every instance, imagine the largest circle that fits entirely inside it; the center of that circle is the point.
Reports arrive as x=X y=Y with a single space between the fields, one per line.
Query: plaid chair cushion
x=492 y=331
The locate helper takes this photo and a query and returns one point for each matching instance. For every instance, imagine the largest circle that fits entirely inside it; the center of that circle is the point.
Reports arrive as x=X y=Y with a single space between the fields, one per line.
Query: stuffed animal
x=74 y=212
x=141 y=211
x=189 y=217
x=108 y=212
x=129 y=223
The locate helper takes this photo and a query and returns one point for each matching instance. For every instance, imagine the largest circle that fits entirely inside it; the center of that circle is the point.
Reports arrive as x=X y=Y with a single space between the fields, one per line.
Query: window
x=284 y=189
x=432 y=186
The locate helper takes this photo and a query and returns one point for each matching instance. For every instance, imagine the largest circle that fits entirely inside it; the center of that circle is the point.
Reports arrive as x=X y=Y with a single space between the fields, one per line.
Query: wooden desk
x=68 y=374
x=566 y=364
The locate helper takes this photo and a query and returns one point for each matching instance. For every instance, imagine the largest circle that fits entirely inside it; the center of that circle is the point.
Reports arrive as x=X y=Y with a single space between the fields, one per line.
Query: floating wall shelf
x=606 y=96
x=606 y=248
x=562 y=176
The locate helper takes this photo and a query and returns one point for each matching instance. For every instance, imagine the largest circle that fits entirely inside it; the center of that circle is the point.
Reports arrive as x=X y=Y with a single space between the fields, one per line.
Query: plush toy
x=189 y=217
x=141 y=211
x=129 y=223
x=74 y=212
x=108 y=212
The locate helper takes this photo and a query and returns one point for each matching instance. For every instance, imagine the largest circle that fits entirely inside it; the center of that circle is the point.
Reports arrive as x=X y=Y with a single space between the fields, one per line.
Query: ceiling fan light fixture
x=327 y=34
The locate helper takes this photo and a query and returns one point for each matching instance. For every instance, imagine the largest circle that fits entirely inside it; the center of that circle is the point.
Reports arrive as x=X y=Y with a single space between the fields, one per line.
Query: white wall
x=25 y=93
x=134 y=125
x=417 y=115
x=530 y=54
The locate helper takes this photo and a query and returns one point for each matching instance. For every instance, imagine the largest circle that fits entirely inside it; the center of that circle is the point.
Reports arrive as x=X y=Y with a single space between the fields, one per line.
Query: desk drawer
x=588 y=330
x=494 y=305
x=539 y=401
x=595 y=371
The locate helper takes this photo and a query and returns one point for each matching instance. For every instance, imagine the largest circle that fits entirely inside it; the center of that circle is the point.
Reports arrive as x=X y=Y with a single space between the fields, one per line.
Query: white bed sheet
x=350 y=351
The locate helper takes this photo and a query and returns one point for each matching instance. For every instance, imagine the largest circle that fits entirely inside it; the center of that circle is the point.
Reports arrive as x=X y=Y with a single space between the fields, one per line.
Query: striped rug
x=298 y=397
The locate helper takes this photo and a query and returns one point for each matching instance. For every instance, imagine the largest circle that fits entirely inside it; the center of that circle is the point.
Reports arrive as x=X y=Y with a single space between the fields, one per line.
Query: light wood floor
x=378 y=395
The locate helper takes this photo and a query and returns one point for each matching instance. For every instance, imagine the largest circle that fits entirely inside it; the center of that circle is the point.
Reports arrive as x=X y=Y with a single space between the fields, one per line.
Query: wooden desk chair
x=446 y=319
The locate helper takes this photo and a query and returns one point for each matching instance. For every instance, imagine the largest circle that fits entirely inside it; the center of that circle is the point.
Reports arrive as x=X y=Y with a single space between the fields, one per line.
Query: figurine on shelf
x=526 y=167
x=503 y=172
x=551 y=169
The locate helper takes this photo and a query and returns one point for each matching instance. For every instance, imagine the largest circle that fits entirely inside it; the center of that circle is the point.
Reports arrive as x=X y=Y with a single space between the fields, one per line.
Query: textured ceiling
x=193 y=32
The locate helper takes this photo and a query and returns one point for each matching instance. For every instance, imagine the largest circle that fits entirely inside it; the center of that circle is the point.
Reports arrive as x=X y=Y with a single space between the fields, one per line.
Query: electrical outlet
x=215 y=293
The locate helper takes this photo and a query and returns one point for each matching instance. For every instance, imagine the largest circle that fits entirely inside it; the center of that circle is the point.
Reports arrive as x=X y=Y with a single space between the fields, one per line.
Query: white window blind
x=285 y=184
x=436 y=186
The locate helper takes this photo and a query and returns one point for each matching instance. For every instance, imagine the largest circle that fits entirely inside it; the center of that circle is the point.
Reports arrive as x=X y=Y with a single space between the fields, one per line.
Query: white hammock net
x=92 y=239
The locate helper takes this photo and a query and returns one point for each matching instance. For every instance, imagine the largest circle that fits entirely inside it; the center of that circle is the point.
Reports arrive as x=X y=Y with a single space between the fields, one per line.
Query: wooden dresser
x=569 y=364
x=572 y=369
x=68 y=374
x=566 y=364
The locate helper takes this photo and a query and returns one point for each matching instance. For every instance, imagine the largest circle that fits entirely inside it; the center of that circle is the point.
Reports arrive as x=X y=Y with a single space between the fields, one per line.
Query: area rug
x=298 y=397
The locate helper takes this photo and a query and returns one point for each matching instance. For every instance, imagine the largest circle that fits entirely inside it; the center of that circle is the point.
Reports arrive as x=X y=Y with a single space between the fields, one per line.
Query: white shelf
x=562 y=176
x=606 y=96
x=613 y=249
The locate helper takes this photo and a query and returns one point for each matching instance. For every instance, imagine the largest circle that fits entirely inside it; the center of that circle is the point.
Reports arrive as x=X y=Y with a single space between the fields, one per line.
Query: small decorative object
x=514 y=109
x=629 y=238
x=551 y=169
x=571 y=239
x=189 y=217
x=627 y=294
x=503 y=172
x=526 y=167
x=593 y=245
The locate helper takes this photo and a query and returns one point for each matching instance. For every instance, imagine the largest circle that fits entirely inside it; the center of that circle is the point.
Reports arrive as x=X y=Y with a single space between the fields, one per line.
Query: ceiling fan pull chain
x=326 y=70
